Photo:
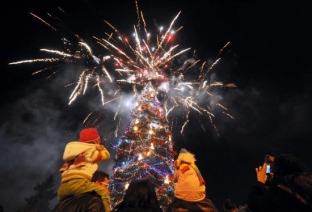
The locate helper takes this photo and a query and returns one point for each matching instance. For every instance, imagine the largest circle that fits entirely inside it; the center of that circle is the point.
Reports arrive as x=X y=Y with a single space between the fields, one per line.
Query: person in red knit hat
x=81 y=158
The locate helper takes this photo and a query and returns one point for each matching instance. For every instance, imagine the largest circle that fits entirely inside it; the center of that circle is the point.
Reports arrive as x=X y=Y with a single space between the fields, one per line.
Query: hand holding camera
x=264 y=172
x=261 y=173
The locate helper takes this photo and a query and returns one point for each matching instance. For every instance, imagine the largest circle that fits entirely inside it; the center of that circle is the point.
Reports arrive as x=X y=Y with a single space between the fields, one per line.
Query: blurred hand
x=261 y=173
x=100 y=147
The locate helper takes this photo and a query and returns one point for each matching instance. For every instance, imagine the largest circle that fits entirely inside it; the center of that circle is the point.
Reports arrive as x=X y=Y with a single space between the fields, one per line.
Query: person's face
x=104 y=183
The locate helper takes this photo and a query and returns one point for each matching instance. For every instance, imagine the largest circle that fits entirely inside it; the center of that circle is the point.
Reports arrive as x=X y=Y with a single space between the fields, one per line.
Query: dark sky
x=269 y=62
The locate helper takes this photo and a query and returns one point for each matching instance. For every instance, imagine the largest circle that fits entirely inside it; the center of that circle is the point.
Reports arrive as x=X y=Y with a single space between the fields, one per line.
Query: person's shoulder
x=80 y=201
x=70 y=143
x=128 y=209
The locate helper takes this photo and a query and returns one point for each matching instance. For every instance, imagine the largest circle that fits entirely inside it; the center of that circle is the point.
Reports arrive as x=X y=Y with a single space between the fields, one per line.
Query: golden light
x=126 y=186
x=166 y=181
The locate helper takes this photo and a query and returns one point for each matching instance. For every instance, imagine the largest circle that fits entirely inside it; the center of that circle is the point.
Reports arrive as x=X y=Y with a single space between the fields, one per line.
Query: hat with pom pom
x=89 y=135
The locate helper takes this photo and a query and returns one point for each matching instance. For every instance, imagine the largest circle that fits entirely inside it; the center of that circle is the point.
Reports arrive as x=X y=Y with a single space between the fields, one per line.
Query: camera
x=268 y=169
x=268 y=159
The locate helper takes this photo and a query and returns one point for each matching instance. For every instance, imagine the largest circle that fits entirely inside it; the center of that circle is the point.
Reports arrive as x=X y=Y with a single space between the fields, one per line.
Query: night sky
x=269 y=62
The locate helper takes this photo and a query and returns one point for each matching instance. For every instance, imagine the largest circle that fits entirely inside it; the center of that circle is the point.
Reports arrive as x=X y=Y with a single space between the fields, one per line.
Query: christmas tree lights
x=145 y=150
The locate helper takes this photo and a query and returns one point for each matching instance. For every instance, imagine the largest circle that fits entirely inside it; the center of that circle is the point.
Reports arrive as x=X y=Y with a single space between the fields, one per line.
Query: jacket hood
x=74 y=148
x=186 y=156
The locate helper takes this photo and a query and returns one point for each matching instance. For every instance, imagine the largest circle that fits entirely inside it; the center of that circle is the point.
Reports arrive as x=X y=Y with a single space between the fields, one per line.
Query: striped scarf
x=200 y=177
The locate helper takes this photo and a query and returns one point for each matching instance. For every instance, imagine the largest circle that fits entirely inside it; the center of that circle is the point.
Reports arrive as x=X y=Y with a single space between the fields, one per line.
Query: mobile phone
x=268 y=169
x=269 y=160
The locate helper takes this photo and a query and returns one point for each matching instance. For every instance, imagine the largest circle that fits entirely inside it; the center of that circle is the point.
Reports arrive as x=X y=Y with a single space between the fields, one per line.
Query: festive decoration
x=185 y=85
x=145 y=150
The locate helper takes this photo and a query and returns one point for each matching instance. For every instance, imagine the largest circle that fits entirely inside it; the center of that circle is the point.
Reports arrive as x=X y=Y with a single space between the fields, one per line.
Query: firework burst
x=145 y=58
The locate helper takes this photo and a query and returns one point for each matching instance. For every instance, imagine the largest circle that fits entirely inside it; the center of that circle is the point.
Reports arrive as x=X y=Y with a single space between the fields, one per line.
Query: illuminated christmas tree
x=145 y=150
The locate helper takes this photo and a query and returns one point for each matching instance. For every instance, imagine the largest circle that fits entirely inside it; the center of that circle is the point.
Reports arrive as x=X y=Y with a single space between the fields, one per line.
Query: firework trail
x=137 y=62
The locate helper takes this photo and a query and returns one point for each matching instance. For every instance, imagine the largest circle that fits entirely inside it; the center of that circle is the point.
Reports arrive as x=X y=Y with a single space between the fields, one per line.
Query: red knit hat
x=89 y=135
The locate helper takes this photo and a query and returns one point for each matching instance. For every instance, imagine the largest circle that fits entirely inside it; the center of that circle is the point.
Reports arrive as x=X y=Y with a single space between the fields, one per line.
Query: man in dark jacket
x=87 y=202
x=289 y=188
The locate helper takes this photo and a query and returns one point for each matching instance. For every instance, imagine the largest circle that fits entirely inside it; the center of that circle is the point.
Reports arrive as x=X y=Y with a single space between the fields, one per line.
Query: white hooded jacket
x=81 y=159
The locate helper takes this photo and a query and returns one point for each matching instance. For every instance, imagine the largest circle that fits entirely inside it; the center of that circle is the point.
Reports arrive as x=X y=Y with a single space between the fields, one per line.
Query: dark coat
x=180 y=205
x=146 y=208
x=274 y=199
x=87 y=202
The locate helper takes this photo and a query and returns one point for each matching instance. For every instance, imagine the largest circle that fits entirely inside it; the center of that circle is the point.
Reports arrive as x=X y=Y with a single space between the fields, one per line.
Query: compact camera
x=268 y=159
x=268 y=169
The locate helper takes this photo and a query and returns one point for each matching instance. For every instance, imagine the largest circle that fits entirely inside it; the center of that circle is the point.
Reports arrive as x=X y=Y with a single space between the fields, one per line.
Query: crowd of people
x=287 y=186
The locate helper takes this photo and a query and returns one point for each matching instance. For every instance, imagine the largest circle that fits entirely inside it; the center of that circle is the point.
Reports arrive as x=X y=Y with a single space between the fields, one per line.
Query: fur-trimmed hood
x=185 y=156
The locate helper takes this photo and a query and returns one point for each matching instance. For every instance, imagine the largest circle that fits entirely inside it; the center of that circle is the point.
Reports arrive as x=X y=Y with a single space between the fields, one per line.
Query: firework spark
x=138 y=62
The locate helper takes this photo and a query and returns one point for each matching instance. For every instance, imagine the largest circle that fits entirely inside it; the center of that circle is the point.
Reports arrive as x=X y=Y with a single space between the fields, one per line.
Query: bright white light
x=140 y=157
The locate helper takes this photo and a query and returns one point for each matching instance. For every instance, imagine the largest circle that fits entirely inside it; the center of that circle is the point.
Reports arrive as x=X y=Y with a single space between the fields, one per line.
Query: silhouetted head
x=229 y=206
x=287 y=164
x=140 y=196
x=99 y=176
